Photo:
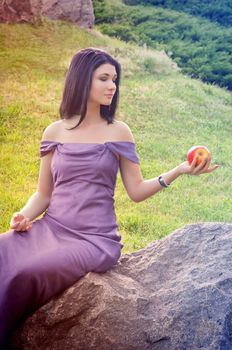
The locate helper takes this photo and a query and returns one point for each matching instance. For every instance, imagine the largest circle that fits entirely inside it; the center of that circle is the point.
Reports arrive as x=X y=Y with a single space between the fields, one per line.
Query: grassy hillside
x=166 y=111
x=200 y=47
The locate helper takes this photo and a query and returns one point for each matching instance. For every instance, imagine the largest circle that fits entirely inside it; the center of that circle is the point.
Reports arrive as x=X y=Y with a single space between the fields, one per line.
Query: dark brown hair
x=78 y=83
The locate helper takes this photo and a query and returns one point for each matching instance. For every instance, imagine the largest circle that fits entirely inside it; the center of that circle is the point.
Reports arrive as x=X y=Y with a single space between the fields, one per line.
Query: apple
x=200 y=151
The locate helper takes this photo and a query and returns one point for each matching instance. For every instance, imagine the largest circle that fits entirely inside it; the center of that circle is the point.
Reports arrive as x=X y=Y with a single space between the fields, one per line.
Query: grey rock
x=176 y=294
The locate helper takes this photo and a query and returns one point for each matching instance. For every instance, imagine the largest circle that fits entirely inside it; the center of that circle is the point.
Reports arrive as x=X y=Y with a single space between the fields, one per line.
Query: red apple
x=200 y=151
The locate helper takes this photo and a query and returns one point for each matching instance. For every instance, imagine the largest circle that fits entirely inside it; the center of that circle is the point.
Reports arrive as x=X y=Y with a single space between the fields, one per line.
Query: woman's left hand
x=202 y=168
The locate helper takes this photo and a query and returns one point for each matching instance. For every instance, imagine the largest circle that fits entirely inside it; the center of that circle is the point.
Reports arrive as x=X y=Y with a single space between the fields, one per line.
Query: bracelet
x=162 y=182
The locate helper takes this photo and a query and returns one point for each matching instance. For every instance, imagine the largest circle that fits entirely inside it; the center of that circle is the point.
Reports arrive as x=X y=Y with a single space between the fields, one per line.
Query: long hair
x=78 y=83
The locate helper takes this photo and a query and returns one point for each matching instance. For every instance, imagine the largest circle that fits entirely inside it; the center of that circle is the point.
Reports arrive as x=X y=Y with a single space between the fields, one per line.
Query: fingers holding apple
x=199 y=159
x=199 y=167
x=198 y=152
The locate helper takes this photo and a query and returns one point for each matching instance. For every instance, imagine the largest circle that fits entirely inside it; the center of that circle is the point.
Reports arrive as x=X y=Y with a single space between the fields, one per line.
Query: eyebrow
x=108 y=75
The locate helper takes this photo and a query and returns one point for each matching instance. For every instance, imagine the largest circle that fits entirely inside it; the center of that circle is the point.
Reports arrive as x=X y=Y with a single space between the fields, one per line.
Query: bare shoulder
x=52 y=131
x=124 y=131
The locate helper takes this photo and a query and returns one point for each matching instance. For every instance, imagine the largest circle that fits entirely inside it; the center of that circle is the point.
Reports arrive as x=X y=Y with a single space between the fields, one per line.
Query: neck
x=93 y=115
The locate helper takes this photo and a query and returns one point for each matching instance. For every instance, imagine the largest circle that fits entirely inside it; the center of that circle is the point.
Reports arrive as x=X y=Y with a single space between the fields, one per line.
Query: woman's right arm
x=39 y=200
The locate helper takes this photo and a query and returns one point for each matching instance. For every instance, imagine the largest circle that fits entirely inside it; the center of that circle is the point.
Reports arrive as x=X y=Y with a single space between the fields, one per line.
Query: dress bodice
x=93 y=162
x=84 y=176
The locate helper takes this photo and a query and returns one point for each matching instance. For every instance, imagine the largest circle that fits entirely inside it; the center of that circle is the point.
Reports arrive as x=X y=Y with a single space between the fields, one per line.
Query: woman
x=80 y=157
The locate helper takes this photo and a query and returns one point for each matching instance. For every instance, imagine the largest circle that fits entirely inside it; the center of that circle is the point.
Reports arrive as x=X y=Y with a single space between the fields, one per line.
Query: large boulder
x=77 y=11
x=176 y=294
x=18 y=11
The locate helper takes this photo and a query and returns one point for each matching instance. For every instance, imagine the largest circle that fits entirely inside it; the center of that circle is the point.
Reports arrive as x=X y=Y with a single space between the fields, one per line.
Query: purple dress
x=76 y=235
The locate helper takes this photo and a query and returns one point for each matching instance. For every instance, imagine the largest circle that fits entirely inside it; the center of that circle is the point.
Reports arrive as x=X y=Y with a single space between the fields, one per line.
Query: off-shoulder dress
x=77 y=234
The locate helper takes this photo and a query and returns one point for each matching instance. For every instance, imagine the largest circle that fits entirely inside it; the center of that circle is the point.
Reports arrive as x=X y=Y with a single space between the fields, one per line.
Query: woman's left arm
x=139 y=189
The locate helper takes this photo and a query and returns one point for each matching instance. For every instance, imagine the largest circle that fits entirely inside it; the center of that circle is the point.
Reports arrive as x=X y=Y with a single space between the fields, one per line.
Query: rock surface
x=18 y=11
x=176 y=294
x=77 y=11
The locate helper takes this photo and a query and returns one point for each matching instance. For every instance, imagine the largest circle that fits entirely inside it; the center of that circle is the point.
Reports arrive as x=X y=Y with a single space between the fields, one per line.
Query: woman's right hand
x=19 y=222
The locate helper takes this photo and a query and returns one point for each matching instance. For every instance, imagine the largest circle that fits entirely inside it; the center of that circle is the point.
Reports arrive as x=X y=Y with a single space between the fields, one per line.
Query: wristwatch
x=162 y=182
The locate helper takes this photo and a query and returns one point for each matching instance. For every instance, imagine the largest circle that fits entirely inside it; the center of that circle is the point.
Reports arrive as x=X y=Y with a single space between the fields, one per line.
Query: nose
x=112 y=85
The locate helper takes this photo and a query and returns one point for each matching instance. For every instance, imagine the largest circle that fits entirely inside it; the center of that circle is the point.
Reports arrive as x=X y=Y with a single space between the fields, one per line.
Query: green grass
x=166 y=111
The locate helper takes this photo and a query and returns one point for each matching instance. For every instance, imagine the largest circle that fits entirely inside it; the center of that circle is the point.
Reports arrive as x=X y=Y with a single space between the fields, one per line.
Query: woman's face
x=103 y=85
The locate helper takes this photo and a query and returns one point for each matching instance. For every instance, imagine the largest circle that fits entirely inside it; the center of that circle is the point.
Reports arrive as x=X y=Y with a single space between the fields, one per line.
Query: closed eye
x=107 y=76
x=105 y=79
